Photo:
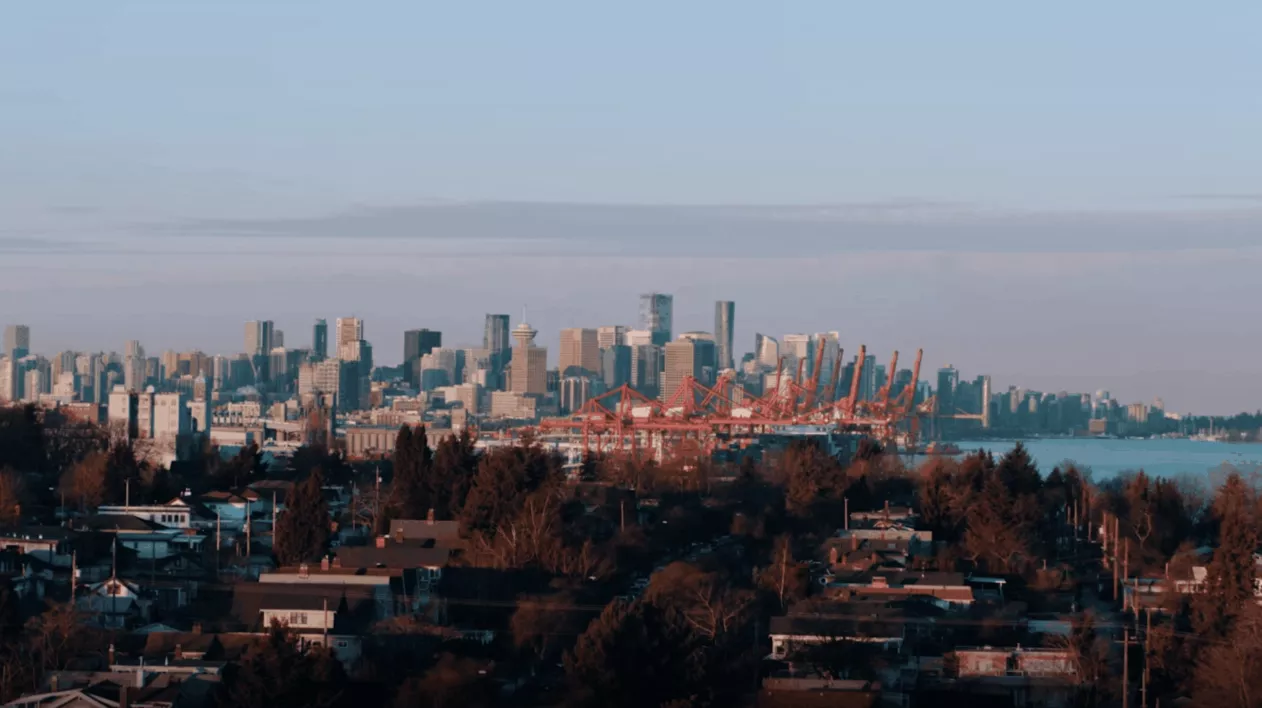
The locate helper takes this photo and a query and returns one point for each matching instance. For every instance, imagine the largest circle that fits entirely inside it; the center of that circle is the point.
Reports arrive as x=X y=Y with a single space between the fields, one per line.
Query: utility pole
x=1115 y=560
x=126 y=494
x=847 y=500
x=217 y=546
x=784 y=559
x=249 y=532
x=1104 y=538
x=1126 y=667
x=1126 y=567
x=74 y=574
x=1143 y=691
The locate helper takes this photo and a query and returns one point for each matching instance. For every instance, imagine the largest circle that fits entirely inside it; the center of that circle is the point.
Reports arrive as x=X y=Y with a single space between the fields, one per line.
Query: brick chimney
x=832 y=555
x=324 y=563
x=179 y=652
x=398 y=535
x=381 y=542
x=429 y=517
x=337 y=562
x=197 y=628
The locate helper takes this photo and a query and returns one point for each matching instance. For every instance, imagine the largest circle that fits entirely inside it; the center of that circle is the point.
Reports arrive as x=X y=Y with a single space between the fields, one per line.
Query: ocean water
x=1160 y=457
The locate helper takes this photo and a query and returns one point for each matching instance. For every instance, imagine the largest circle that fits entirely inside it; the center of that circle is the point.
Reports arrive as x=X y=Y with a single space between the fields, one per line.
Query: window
x=297 y=619
x=342 y=644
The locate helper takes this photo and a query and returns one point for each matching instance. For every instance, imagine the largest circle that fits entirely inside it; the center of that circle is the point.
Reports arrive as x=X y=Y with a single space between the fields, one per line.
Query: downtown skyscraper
x=656 y=316
x=17 y=341
x=495 y=336
x=724 y=320
x=349 y=329
x=416 y=344
x=259 y=337
x=320 y=340
x=580 y=352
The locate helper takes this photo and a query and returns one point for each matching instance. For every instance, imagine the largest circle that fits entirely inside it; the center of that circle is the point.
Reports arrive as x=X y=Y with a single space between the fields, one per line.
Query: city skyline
x=806 y=345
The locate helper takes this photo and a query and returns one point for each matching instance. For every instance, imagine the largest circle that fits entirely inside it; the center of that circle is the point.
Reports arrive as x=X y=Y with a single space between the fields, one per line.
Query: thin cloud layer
x=755 y=231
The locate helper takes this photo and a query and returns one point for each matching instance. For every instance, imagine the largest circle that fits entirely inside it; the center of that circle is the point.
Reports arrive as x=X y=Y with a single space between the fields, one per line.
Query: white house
x=114 y=603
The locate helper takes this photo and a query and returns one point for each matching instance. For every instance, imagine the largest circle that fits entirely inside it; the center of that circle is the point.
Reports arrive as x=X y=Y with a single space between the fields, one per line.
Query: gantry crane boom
x=836 y=379
x=853 y=398
x=813 y=384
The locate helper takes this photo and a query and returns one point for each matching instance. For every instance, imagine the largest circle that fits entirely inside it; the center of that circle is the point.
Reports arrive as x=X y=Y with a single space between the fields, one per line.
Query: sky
x=1066 y=196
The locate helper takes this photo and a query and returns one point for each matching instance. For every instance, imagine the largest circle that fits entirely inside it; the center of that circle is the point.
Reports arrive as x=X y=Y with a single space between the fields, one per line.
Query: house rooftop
x=120 y=522
x=393 y=555
x=36 y=533
x=417 y=529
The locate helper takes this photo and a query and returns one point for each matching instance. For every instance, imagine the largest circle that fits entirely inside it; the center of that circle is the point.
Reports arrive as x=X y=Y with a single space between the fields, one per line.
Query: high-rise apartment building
x=724 y=320
x=33 y=385
x=220 y=374
x=10 y=387
x=62 y=363
x=530 y=363
x=416 y=344
x=349 y=329
x=684 y=358
x=171 y=416
x=170 y=362
x=258 y=338
x=17 y=341
x=320 y=340
x=331 y=377
x=122 y=414
x=580 y=352
x=134 y=373
x=656 y=315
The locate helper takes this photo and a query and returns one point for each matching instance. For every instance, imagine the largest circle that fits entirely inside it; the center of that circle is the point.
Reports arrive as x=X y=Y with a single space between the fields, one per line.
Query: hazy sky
x=1064 y=195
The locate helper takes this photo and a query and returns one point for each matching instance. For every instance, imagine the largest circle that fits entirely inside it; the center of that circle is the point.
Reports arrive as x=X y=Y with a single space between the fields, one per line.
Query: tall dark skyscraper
x=416 y=344
x=320 y=340
x=499 y=346
x=616 y=365
x=724 y=320
x=495 y=338
x=948 y=380
x=656 y=311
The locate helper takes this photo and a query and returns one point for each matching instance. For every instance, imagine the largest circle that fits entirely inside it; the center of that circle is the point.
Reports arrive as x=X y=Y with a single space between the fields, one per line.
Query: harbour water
x=1158 y=457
